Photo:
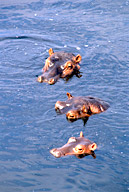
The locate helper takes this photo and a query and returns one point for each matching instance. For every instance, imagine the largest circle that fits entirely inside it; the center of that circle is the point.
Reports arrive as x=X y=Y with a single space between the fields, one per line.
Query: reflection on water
x=30 y=126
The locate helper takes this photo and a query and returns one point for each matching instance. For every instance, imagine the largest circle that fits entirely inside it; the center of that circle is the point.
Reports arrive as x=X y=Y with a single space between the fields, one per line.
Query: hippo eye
x=54 y=59
x=70 y=65
x=72 y=139
x=79 y=149
x=62 y=67
x=51 y=64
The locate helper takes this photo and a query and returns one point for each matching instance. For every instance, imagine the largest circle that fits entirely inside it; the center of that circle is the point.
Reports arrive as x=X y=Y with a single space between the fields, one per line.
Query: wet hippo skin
x=78 y=146
x=60 y=65
x=81 y=107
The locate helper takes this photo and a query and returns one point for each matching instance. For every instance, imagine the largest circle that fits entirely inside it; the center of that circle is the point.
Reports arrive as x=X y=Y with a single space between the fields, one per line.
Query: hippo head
x=81 y=107
x=59 y=65
x=78 y=146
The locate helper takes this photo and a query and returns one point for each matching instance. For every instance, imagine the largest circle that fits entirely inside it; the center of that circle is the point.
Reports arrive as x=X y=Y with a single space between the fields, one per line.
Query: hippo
x=81 y=107
x=78 y=146
x=60 y=65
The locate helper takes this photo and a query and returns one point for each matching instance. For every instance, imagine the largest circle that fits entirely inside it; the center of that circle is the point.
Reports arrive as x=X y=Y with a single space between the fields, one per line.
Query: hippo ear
x=69 y=96
x=51 y=51
x=78 y=58
x=93 y=146
x=81 y=134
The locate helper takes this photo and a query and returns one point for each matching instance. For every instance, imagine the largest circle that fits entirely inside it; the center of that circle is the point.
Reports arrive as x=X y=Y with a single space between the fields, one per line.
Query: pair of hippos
x=65 y=65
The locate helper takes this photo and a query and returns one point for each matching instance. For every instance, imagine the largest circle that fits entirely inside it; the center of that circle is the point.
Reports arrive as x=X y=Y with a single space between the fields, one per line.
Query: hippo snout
x=59 y=106
x=42 y=79
x=56 y=152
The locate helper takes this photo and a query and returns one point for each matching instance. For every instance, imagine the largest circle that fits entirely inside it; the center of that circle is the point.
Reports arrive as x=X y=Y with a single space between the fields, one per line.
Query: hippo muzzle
x=50 y=76
x=56 y=152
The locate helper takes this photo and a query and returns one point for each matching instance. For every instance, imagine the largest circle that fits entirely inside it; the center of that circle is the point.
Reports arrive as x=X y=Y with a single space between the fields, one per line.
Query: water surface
x=29 y=125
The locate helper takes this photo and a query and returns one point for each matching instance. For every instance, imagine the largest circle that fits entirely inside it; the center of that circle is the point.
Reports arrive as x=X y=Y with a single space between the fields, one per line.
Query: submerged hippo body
x=81 y=107
x=78 y=146
x=59 y=65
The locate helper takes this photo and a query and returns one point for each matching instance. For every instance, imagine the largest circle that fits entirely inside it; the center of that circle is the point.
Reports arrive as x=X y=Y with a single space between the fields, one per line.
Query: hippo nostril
x=58 y=154
x=53 y=150
x=57 y=110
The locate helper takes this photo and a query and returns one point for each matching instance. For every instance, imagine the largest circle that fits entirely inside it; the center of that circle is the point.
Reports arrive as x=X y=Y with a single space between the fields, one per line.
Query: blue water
x=29 y=125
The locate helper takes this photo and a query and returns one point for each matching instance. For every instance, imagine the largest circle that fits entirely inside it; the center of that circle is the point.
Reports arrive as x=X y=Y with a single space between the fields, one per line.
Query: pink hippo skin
x=78 y=146
x=81 y=107
x=60 y=65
